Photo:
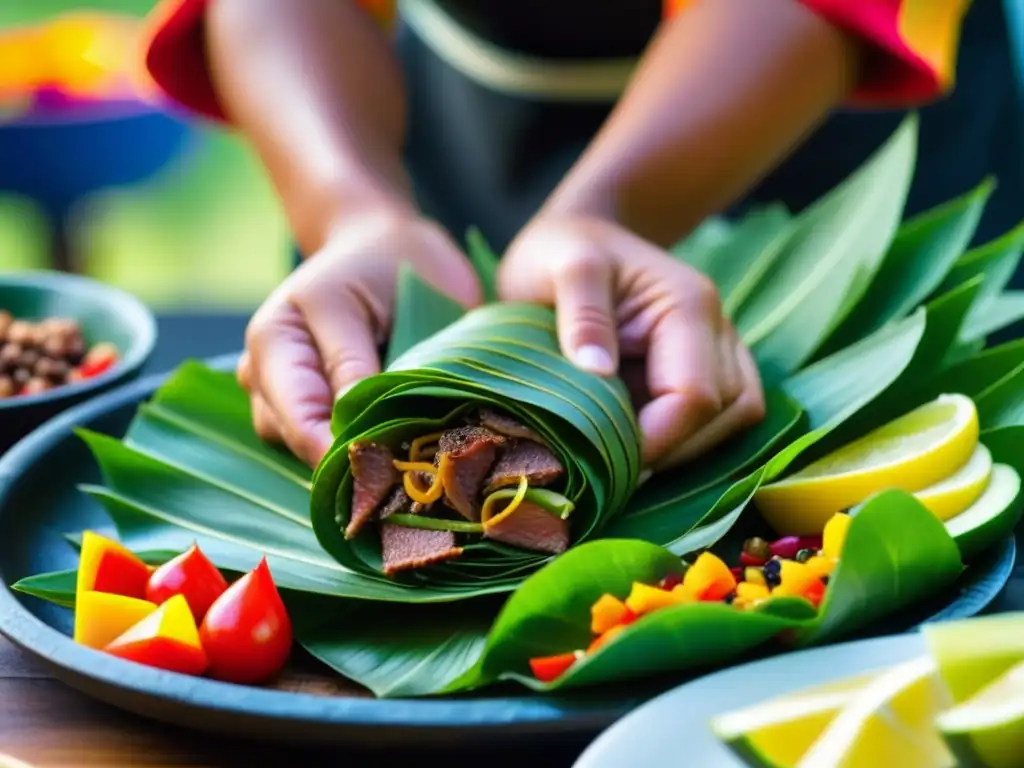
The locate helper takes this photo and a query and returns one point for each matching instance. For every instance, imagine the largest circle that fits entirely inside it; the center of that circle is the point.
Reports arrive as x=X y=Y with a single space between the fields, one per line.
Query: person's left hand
x=619 y=297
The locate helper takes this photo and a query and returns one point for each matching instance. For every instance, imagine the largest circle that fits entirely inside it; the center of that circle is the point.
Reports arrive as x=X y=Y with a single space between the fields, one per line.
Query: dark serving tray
x=39 y=503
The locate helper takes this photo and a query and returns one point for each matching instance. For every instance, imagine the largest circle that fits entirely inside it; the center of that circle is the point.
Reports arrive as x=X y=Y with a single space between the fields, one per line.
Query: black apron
x=484 y=158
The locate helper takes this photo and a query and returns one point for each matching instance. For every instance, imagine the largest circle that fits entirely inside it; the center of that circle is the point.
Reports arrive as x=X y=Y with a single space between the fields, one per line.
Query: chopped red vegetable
x=190 y=574
x=108 y=566
x=247 y=633
x=550 y=668
x=166 y=639
x=762 y=576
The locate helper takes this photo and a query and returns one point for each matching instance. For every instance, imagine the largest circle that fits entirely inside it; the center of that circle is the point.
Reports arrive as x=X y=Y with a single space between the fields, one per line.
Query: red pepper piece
x=192 y=575
x=815 y=593
x=671 y=581
x=247 y=633
x=549 y=668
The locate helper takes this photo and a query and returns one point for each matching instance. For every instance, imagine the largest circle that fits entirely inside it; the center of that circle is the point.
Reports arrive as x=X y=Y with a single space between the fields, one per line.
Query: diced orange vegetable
x=821 y=566
x=754 y=576
x=815 y=593
x=796 y=578
x=102 y=616
x=166 y=639
x=608 y=612
x=834 y=535
x=605 y=637
x=748 y=591
x=709 y=578
x=682 y=594
x=644 y=598
x=106 y=565
x=550 y=668
x=749 y=594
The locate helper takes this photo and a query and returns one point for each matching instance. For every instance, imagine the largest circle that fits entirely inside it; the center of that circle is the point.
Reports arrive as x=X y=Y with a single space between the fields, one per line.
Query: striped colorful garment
x=913 y=45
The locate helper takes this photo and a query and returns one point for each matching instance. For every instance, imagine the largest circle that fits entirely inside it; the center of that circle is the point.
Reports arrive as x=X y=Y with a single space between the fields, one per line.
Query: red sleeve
x=175 y=52
x=912 y=45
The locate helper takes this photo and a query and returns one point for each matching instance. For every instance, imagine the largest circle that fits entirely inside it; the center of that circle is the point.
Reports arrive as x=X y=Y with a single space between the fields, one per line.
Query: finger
x=265 y=420
x=730 y=374
x=290 y=380
x=344 y=333
x=585 y=308
x=682 y=363
x=745 y=411
x=244 y=371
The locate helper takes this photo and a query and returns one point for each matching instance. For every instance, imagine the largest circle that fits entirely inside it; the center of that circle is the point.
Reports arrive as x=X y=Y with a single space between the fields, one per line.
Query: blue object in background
x=59 y=157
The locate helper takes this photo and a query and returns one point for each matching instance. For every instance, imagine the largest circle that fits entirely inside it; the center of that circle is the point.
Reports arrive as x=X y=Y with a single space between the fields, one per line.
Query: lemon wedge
x=988 y=730
x=776 y=733
x=973 y=653
x=948 y=498
x=889 y=722
x=914 y=452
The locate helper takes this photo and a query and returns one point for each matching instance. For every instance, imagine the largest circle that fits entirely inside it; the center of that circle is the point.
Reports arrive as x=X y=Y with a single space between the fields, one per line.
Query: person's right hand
x=319 y=332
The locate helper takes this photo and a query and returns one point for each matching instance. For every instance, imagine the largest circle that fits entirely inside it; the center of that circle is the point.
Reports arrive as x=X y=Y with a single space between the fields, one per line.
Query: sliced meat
x=464 y=459
x=503 y=424
x=374 y=475
x=524 y=457
x=403 y=549
x=399 y=501
x=531 y=527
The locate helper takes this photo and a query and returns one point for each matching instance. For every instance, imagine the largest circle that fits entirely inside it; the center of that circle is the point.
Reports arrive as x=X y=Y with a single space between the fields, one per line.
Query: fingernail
x=595 y=359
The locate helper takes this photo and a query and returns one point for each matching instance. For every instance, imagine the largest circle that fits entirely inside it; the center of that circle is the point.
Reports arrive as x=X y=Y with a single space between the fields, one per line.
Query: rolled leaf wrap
x=503 y=357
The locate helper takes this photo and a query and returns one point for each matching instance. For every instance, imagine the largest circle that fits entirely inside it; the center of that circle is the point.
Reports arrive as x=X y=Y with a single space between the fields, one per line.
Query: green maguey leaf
x=827 y=262
x=923 y=252
x=485 y=261
x=736 y=257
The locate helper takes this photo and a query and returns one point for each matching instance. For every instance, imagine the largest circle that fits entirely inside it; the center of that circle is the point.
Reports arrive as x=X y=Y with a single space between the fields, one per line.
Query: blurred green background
x=205 y=233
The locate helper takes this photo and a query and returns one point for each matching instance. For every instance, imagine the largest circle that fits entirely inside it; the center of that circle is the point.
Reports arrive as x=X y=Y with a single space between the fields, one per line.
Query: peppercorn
x=21 y=332
x=10 y=353
x=48 y=368
x=804 y=555
x=37 y=356
x=757 y=548
x=35 y=385
x=772 y=573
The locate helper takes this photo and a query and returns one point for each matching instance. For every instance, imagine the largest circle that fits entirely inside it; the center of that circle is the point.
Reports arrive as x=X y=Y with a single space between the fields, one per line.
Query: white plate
x=673 y=730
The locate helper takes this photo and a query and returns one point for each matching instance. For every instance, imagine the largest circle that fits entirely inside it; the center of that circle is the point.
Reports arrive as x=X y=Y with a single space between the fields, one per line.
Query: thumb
x=585 y=306
x=343 y=332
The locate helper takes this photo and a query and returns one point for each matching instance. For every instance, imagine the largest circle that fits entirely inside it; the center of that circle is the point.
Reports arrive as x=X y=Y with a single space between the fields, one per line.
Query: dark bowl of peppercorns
x=63 y=339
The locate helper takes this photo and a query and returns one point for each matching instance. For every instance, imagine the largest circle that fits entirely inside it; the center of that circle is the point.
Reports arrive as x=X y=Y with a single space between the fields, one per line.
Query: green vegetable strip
x=434 y=523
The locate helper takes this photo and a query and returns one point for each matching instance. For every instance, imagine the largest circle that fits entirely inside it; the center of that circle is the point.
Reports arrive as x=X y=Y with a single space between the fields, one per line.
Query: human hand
x=618 y=296
x=319 y=332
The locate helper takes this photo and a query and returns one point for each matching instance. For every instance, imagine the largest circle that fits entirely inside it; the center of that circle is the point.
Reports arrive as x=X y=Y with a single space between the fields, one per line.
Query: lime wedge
x=777 y=732
x=988 y=729
x=913 y=452
x=972 y=653
x=889 y=722
x=992 y=517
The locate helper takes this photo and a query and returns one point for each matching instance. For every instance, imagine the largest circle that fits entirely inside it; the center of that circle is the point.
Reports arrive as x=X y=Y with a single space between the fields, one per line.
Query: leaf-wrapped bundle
x=497 y=363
